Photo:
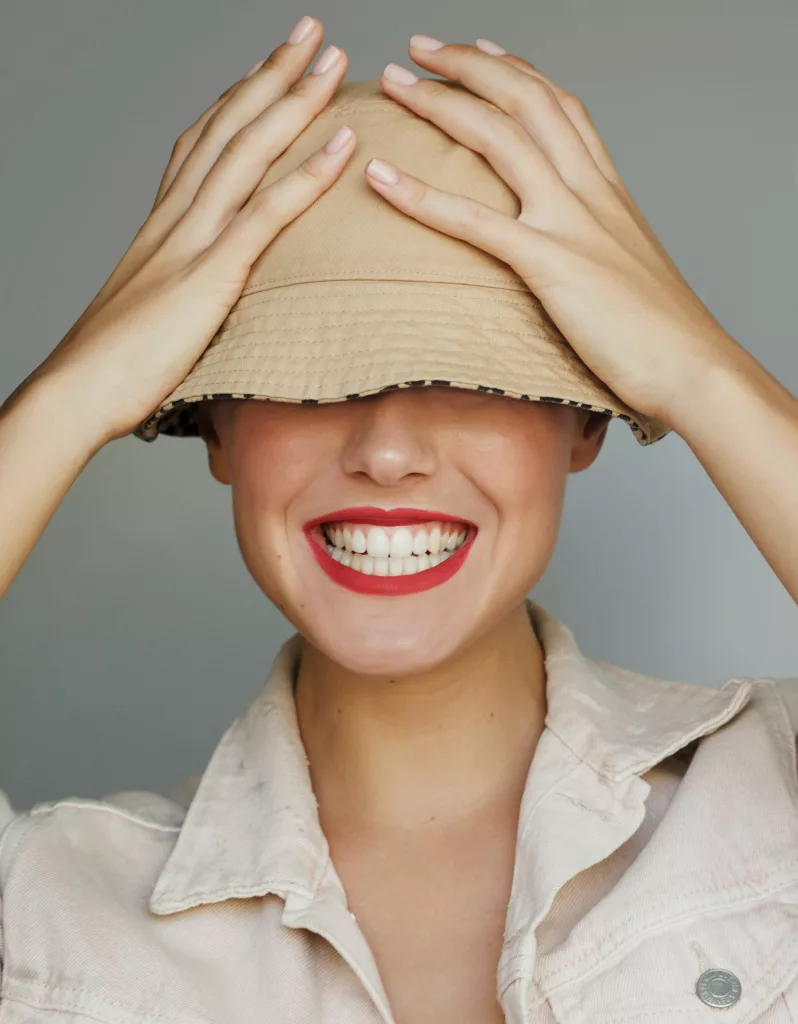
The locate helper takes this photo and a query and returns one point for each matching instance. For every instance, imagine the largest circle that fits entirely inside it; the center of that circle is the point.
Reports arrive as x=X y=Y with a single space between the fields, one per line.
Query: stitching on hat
x=405 y=291
x=230 y=359
x=378 y=103
x=380 y=318
x=464 y=282
x=520 y=304
x=234 y=332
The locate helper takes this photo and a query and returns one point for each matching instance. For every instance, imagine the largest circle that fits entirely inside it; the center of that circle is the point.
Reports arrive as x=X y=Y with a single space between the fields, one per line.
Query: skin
x=421 y=716
x=375 y=669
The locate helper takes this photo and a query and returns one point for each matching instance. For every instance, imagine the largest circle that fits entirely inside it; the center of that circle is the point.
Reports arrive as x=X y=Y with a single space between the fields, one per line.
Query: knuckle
x=503 y=132
x=478 y=213
x=217 y=128
x=183 y=143
x=277 y=61
x=537 y=92
x=237 y=142
x=571 y=104
x=261 y=202
x=310 y=171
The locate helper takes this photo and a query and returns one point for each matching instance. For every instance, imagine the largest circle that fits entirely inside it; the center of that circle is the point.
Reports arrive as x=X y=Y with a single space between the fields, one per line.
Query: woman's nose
x=390 y=439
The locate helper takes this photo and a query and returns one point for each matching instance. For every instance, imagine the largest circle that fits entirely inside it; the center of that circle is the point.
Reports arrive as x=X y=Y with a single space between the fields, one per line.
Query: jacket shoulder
x=99 y=834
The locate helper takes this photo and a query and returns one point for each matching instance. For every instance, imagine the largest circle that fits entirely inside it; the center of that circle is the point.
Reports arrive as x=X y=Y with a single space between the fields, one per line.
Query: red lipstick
x=387 y=586
x=385 y=517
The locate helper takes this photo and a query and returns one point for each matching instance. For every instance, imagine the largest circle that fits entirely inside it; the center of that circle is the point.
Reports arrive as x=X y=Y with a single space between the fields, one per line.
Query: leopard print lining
x=178 y=418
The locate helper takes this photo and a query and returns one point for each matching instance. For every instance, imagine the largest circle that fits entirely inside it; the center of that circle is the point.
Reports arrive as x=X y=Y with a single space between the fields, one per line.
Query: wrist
x=729 y=378
x=49 y=401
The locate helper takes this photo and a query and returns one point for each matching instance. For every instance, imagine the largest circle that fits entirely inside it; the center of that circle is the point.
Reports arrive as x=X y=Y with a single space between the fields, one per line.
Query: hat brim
x=332 y=341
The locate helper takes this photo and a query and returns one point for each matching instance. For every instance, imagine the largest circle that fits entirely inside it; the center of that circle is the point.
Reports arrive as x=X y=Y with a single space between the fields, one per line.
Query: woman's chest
x=434 y=920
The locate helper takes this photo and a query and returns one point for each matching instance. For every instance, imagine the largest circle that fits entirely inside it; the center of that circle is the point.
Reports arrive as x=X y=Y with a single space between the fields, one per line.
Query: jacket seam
x=654 y=929
x=119 y=812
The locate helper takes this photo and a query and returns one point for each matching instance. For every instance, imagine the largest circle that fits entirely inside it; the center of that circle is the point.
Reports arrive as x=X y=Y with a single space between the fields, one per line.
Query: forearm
x=44 y=446
x=743 y=428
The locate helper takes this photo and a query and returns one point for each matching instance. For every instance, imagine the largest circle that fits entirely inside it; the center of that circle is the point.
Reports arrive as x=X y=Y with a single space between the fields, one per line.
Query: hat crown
x=354 y=297
x=351 y=232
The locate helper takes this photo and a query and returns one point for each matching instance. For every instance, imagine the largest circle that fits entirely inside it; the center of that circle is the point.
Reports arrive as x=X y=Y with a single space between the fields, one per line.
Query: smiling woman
x=437 y=808
x=475 y=482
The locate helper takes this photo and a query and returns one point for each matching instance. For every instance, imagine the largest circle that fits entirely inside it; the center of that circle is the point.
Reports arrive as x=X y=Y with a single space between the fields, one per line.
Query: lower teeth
x=378 y=566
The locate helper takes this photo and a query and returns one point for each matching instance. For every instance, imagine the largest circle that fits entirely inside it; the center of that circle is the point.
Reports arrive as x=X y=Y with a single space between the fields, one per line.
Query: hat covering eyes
x=354 y=298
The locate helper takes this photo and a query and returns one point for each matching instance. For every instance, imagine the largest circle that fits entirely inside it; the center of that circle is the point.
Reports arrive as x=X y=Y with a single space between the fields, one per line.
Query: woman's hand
x=587 y=252
x=188 y=264
x=579 y=240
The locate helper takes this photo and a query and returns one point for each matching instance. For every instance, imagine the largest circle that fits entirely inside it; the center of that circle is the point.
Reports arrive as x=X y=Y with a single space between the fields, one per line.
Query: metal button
x=718 y=988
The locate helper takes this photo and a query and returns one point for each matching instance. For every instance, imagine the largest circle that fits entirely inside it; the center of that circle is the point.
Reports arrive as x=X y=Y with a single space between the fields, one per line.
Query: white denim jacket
x=657 y=841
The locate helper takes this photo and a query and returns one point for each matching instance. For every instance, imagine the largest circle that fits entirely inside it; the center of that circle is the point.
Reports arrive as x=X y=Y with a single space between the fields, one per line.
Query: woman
x=437 y=809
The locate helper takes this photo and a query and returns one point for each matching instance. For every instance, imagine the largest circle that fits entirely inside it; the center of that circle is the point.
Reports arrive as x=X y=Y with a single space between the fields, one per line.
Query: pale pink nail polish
x=381 y=171
x=326 y=61
x=425 y=43
x=301 y=30
x=492 y=48
x=339 y=140
x=402 y=76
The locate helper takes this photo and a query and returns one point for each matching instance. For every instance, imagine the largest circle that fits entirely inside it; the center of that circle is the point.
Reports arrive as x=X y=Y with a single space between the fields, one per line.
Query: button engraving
x=718 y=988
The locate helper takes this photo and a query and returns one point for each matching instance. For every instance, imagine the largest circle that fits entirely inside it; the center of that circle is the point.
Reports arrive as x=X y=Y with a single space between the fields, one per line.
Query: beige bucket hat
x=354 y=297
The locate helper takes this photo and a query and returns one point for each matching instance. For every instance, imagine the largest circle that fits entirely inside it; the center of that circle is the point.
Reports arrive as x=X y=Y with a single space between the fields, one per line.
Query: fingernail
x=252 y=70
x=339 y=140
x=402 y=76
x=489 y=47
x=301 y=30
x=425 y=43
x=381 y=171
x=326 y=61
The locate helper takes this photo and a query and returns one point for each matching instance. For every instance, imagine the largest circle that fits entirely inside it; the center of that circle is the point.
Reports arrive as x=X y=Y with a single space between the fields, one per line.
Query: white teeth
x=401 y=543
x=377 y=543
x=392 y=551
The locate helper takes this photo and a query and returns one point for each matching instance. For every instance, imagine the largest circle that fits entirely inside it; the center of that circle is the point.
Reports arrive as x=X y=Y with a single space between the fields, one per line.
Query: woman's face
x=474 y=482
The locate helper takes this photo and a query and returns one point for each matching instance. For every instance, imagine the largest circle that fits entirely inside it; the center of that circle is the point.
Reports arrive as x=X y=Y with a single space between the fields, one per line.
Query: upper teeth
x=393 y=550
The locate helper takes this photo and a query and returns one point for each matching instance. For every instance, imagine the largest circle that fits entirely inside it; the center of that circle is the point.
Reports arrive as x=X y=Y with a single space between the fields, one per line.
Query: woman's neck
x=444 y=746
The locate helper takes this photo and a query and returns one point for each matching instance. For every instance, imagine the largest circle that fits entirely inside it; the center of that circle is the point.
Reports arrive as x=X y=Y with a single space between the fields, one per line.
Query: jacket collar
x=253 y=827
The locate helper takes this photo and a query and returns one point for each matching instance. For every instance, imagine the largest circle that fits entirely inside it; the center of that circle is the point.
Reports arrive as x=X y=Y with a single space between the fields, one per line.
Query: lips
x=389 y=552
x=384 y=517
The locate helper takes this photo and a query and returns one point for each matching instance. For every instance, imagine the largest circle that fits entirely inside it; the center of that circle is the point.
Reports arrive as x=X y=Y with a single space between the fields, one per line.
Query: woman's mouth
x=392 y=552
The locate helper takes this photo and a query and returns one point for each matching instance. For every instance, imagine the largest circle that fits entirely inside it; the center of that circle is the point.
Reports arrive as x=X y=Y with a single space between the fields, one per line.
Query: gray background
x=134 y=634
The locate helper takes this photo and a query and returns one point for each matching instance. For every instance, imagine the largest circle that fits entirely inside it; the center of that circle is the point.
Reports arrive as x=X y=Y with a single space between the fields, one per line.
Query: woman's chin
x=384 y=649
